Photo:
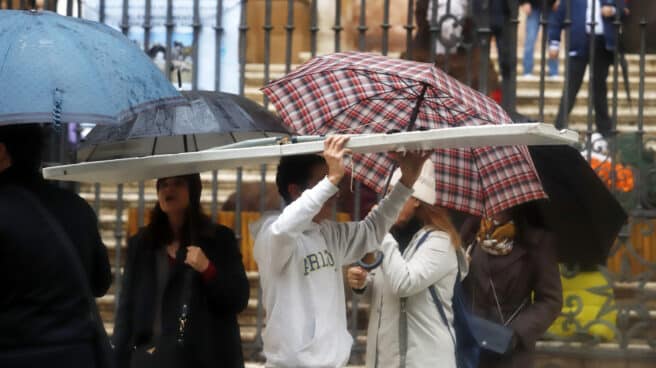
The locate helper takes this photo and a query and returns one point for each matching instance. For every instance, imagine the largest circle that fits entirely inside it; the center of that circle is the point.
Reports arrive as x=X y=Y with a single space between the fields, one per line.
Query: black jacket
x=212 y=334
x=44 y=308
x=77 y=219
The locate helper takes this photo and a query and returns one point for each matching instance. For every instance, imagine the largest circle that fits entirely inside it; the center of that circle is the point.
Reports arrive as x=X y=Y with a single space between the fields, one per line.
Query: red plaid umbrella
x=353 y=92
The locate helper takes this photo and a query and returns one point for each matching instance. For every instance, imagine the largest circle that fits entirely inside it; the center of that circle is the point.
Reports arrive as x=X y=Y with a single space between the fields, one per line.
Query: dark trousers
x=603 y=59
x=507 y=60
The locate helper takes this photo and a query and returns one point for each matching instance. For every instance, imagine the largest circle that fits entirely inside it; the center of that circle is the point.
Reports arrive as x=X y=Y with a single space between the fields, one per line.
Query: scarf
x=495 y=238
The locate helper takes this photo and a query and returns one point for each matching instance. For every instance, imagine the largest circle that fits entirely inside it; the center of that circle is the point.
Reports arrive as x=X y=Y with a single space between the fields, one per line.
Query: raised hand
x=333 y=152
x=410 y=164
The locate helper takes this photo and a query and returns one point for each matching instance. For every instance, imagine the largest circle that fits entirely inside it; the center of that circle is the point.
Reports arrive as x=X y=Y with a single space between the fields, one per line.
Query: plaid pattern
x=361 y=93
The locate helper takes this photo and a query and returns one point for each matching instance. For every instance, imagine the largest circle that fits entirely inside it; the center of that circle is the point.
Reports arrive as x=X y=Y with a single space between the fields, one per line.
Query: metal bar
x=101 y=11
x=125 y=26
x=543 y=58
x=362 y=27
x=591 y=90
x=118 y=236
x=314 y=29
x=484 y=32
x=641 y=105
x=434 y=30
x=267 y=47
x=467 y=44
x=96 y=198
x=567 y=24
x=385 y=26
x=218 y=38
x=238 y=211
x=243 y=42
x=196 y=26
x=141 y=205
x=338 y=25
x=169 y=24
x=510 y=95
x=69 y=8
x=147 y=24
x=22 y=4
x=612 y=144
x=215 y=196
x=289 y=29
x=409 y=27
x=79 y=8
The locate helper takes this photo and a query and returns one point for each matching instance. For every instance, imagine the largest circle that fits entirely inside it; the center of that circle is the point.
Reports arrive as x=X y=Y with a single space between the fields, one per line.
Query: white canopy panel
x=149 y=167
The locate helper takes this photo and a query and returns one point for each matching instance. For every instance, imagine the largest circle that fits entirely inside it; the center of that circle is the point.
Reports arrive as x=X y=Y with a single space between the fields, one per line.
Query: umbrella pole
x=411 y=126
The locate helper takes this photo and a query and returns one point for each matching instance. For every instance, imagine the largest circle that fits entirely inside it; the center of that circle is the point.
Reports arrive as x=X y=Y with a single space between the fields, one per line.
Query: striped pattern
x=360 y=93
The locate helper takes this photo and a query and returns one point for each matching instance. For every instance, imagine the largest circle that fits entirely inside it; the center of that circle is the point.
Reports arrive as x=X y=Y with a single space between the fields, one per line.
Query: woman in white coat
x=423 y=253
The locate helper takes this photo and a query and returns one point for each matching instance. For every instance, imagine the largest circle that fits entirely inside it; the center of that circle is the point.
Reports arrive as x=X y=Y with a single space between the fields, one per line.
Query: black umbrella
x=581 y=210
x=212 y=119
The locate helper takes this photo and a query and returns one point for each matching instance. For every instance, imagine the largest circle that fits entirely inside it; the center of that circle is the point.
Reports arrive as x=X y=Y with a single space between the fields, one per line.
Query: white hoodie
x=300 y=264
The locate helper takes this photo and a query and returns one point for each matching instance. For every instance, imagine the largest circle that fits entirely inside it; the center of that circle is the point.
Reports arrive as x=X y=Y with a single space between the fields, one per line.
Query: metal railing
x=632 y=291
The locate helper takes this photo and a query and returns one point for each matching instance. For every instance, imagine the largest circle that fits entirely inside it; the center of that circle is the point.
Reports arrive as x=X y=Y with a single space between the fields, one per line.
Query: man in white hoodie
x=300 y=254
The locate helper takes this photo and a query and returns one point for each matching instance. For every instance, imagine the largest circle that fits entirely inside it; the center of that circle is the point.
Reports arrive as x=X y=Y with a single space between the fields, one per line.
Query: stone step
x=531 y=96
x=627 y=118
x=557 y=84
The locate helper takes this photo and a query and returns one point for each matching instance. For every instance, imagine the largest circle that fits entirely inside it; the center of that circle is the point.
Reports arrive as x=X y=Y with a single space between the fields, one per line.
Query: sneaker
x=528 y=77
x=599 y=143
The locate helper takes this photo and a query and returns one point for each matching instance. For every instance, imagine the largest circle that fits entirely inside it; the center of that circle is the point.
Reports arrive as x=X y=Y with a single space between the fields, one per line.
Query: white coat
x=408 y=275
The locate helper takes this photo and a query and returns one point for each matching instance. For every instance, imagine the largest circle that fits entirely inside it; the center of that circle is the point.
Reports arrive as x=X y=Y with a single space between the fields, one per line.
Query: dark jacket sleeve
x=123 y=326
x=228 y=291
x=534 y=321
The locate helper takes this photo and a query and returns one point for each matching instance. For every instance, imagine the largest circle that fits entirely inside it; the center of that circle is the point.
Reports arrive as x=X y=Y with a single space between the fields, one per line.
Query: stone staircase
x=527 y=98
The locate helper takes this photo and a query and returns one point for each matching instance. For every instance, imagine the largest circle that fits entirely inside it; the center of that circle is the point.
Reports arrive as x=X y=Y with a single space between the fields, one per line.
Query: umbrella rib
x=195 y=142
x=402 y=80
x=355 y=104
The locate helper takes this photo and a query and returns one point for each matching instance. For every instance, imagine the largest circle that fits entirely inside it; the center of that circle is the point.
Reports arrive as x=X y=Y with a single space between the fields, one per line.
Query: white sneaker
x=599 y=143
x=528 y=77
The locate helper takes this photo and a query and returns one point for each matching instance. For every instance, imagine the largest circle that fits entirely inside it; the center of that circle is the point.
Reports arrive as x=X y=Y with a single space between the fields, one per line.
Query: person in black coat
x=24 y=144
x=45 y=302
x=179 y=239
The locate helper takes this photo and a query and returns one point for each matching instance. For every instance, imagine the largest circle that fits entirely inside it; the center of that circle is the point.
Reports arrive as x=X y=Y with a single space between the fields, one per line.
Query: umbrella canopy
x=64 y=69
x=210 y=119
x=366 y=93
x=581 y=210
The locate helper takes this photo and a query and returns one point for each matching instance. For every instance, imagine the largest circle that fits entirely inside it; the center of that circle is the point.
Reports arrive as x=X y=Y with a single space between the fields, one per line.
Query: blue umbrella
x=63 y=69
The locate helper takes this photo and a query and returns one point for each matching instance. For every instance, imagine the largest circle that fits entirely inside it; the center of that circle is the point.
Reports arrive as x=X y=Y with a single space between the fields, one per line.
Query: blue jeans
x=532 y=28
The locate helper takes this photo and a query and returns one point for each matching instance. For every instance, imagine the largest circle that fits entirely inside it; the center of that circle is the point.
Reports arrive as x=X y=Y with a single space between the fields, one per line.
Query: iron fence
x=629 y=310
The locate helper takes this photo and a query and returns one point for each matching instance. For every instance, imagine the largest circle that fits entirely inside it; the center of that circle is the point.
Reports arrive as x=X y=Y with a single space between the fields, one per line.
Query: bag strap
x=403 y=317
x=436 y=298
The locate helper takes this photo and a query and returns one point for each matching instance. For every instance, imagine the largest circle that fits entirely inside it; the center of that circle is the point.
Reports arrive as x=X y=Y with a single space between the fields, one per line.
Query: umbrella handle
x=370 y=266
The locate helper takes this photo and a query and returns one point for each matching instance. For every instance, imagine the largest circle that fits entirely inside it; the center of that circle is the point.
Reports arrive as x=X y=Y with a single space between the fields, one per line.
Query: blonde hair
x=438 y=218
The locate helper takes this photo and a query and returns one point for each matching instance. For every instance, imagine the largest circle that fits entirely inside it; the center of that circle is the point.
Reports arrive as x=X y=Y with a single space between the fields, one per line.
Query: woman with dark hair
x=420 y=260
x=513 y=279
x=181 y=258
